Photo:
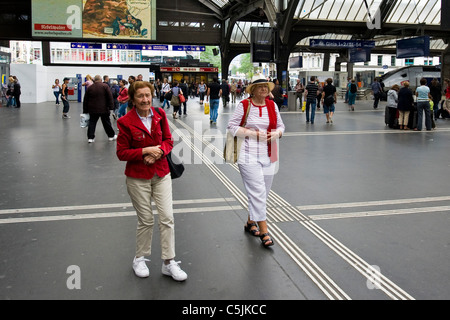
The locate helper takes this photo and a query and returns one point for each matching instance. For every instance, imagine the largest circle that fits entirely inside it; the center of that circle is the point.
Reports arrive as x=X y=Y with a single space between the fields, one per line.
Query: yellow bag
x=303 y=106
x=206 y=107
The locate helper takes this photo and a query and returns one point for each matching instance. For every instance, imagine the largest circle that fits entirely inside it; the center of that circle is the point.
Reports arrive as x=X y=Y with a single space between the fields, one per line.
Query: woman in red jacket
x=144 y=140
x=122 y=98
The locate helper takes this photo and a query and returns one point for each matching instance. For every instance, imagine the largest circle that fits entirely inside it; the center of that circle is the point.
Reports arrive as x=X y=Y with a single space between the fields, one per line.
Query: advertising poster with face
x=94 y=19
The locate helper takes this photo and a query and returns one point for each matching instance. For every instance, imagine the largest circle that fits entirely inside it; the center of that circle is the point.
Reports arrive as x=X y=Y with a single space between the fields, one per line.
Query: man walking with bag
x=98 y=101
x=376 y=91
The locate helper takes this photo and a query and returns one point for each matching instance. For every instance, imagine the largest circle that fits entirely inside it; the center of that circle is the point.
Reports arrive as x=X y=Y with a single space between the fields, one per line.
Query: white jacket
x=392 y=99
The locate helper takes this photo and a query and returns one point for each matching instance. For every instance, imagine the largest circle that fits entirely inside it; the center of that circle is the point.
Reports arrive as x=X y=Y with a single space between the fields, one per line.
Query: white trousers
x=257 y=174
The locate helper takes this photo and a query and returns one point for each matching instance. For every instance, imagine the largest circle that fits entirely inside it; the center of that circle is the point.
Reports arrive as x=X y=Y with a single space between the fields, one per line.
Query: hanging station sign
x=344 y=44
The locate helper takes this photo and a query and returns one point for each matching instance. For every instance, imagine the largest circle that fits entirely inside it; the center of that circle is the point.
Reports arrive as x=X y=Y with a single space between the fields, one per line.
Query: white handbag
x=84 y=120
x=233 y=144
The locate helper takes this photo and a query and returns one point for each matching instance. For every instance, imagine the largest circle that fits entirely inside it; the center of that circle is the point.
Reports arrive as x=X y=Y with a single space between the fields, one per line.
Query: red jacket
x=133 y=136
x=123 y=95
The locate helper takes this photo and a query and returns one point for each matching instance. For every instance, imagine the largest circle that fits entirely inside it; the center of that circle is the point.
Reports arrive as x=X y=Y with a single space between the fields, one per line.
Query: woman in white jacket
x=259 y=155
x=392 y=101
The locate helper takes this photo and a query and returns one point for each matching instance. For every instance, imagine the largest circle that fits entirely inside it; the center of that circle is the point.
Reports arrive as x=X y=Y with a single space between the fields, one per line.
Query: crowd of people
x=112 y=97
x=12 y=92
x=407 y=109
x=310 y=97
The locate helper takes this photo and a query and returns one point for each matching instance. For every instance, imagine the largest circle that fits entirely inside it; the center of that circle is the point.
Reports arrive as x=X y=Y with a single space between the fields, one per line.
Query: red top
x=133 y=136
x=123 y=95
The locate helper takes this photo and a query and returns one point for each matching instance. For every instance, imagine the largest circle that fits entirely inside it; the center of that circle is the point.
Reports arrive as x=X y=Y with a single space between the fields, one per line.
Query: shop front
x=189 y=74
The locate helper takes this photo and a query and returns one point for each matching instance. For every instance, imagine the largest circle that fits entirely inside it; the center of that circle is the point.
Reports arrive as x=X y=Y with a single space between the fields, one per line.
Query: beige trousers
x=141 y=192
x=403 y=117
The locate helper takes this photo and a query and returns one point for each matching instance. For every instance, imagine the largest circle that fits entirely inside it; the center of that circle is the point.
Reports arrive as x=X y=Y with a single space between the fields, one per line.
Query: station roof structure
x=335 y=19
x=228 y=22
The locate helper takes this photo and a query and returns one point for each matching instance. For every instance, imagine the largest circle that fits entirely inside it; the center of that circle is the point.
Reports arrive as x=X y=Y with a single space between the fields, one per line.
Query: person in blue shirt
x=376 y=91
x=423 y=105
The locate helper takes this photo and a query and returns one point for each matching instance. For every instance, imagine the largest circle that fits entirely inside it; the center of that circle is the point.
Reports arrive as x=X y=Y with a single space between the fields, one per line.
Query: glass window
x=380 y=60
x=393 y=61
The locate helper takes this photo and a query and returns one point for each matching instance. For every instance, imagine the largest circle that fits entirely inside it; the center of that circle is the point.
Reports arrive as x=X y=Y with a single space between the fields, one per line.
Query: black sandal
x=264 y=242
x=249 y=226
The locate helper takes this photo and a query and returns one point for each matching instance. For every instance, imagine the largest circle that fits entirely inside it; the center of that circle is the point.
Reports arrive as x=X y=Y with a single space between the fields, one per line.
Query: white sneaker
x=90 y=140
x=113 y=138
x=173 y=269
x=140 y=268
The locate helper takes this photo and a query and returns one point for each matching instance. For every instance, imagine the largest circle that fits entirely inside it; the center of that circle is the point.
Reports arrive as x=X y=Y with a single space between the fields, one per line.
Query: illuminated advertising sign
x=189 y=69
x=94 y=19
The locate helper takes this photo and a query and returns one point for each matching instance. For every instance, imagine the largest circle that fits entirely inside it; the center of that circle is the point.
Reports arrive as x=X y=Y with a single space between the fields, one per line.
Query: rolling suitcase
x=412 y=121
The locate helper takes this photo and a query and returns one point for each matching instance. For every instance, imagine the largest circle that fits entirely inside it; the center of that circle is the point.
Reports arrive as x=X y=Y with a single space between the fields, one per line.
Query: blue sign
x=117 y=46
x=329 y=43
x=121 y=46
x=413 y=47
x=79 y=86
x=158 y=47
x=188 y=48
x=78 y=45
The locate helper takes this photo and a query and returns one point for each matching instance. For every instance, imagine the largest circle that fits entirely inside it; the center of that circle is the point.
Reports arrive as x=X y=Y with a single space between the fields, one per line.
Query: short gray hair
x=97 y=78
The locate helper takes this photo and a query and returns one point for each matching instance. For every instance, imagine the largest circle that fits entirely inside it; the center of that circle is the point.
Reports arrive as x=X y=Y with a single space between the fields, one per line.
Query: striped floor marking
x=387 y=286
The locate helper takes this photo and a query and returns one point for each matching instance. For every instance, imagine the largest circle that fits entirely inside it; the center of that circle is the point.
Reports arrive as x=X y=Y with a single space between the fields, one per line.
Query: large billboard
x=94 y=19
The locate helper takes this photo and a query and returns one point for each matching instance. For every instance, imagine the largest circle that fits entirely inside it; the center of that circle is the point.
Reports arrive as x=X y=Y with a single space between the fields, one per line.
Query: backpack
x=353 y=88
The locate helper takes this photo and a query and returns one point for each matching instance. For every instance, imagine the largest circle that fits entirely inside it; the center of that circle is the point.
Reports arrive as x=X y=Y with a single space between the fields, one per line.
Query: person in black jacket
x=405 y=105
x=225 y=92
x=277 y=93
x=17 y=91
x=436 y=93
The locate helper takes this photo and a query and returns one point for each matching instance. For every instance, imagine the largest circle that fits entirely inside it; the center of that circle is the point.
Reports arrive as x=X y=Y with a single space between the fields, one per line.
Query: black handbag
x=168 y=96
x=176 y=167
